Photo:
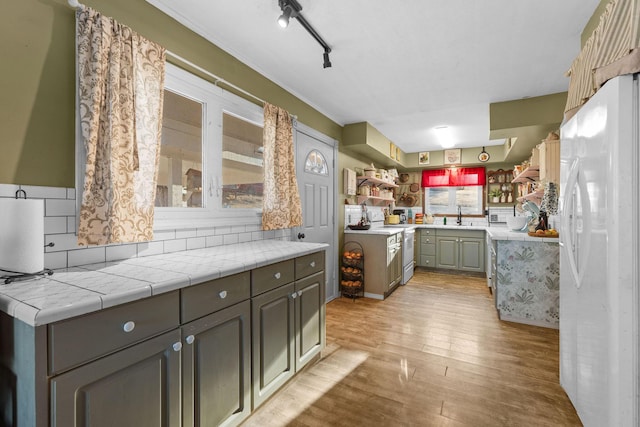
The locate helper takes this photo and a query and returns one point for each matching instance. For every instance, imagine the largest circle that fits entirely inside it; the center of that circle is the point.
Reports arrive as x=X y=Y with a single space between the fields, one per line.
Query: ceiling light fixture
x=292 y=9
x=444 y=136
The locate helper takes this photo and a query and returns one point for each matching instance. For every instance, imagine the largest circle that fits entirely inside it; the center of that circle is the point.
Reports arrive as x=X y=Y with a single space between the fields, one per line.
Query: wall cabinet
x=183 y=358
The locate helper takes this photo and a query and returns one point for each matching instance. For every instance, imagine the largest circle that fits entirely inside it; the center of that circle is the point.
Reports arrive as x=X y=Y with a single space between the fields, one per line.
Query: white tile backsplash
x=118 y=252
x=59 y=207
x=60 y=228
x=183 y=234
x=86 y=256
x=150 y=248
x=36 y=192
x=196 y=243
x=55 y=225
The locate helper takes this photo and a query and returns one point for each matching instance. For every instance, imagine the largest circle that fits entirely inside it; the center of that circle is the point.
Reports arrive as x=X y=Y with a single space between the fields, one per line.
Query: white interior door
x=315 y=159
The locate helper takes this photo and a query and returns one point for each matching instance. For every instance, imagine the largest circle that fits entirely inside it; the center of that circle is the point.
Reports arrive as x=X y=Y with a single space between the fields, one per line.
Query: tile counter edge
x=84 y=289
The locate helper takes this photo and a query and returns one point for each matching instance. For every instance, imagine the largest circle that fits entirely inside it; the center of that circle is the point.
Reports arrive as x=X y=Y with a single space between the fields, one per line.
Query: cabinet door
x=472 y=254
x=273 y=341
x=309 y=325
x=138 y=386
x=217 y=368
x=447 y=252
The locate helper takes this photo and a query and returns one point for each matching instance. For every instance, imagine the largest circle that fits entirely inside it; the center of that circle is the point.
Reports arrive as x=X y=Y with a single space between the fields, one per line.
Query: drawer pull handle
x=294 y=295
x=190 y=339
x=177 y=346
x=299 y=293
x=312 y=264
x=223 y=294
x=277 y=275
x=129 y=326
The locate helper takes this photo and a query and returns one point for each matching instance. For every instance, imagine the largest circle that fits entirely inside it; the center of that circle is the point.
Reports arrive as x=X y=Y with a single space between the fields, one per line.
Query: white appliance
x=408 y=237
x=599 y=256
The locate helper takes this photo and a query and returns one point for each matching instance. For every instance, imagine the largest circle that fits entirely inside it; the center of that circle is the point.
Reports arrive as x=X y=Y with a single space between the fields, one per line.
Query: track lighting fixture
x=292 y=9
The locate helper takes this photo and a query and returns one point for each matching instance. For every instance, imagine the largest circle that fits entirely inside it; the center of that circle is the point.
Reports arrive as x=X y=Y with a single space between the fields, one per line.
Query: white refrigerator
x=599 y=255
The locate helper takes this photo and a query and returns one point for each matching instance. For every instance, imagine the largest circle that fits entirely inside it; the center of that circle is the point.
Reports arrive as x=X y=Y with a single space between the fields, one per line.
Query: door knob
x=300 y=235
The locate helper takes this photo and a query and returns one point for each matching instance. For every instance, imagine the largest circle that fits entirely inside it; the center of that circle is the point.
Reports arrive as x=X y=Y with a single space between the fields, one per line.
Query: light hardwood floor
x=433 y=354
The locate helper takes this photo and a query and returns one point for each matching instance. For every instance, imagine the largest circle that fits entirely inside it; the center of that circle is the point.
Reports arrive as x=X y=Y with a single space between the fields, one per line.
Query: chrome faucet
x=459 y=220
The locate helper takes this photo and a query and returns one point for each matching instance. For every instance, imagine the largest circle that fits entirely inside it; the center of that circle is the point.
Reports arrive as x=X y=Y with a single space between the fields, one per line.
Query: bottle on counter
x=444 y=221
x=410 y=217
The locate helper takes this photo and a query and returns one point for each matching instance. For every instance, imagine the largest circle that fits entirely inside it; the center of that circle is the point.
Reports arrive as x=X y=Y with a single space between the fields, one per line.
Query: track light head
x=283 y=20
x=290 y=9
x=327 y=62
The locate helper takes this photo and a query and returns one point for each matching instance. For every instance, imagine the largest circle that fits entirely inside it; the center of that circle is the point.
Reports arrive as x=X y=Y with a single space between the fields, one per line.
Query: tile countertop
x=79 y=290
x=495 y=231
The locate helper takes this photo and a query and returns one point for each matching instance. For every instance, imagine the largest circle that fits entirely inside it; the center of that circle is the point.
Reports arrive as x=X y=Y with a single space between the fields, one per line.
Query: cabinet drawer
x=214 y=295
x=428 y=249
x=271 y=276
x=77 y=340
x=461 y=233
x=428 y=239
x=309 y=264
x=427 y=261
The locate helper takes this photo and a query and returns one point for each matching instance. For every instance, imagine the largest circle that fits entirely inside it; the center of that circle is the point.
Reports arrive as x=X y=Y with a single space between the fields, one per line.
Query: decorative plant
x=496 y=192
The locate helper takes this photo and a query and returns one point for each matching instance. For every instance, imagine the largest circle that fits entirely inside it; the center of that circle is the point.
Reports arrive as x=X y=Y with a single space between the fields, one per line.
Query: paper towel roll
x=22 y=235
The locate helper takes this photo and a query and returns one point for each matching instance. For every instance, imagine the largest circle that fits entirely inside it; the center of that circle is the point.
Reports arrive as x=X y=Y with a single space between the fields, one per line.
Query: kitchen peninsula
x=241 y=318
x=522 y=271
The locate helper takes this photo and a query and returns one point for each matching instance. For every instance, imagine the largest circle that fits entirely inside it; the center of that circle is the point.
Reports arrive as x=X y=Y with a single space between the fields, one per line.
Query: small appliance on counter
x=401 y=213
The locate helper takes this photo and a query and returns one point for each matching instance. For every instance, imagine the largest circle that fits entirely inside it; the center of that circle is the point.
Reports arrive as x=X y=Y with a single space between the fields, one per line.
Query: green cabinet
x=427 y=247
x=138 y=386
x=216 y=368
x=287 y=321
x=182 y=358
x=273 y=341
x=462 y=250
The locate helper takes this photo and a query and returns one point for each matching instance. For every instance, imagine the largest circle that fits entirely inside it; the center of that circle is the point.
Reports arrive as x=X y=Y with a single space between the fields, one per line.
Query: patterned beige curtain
x=121 y=82
x=281 y=206
x=611 y=50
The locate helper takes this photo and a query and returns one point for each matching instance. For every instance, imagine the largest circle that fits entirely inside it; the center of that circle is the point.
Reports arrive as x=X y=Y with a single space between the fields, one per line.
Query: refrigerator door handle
x=568 y=238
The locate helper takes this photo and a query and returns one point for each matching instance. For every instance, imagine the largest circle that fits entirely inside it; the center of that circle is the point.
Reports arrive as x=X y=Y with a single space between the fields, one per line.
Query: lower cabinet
x=273 y=341
x=427 y=257
x=460 y=250
x=216 y=367
x=183 y=358
x=382 y=262
x=138 y=386
x=288 y=325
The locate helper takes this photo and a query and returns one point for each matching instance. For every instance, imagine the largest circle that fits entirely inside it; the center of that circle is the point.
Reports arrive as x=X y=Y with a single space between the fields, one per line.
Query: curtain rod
x=75 y=5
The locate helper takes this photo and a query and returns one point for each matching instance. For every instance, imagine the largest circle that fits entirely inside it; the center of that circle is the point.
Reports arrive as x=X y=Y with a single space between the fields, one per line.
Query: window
x=316 y=163
x=211 y=155
x=445 y=200
x=241 y=163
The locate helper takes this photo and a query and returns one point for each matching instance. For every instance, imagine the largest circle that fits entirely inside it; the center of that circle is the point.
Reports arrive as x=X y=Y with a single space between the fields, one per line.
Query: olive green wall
x=37 y=82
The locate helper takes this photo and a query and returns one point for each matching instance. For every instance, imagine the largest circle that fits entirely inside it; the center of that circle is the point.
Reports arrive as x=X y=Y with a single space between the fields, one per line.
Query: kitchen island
x=179 y=339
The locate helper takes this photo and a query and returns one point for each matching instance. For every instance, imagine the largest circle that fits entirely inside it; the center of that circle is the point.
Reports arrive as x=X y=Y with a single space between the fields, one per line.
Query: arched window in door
x=316 y=163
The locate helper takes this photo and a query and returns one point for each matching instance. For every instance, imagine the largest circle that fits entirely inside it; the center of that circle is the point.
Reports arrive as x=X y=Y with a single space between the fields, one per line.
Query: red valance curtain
x=453 y=177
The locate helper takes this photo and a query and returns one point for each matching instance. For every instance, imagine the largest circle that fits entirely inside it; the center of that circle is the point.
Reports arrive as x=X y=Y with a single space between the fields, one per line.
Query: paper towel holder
x=16 y=276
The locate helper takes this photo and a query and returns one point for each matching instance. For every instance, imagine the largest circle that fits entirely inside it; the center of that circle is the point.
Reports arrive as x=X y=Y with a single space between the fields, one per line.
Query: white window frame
x=216 y=102
x=452 y=197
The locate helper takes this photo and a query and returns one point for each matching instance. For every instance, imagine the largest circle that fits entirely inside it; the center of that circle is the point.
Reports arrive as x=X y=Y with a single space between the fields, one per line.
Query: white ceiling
x=408 y=66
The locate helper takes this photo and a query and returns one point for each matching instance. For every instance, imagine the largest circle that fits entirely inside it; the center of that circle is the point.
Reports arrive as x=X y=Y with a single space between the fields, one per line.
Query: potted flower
x=495 y=195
